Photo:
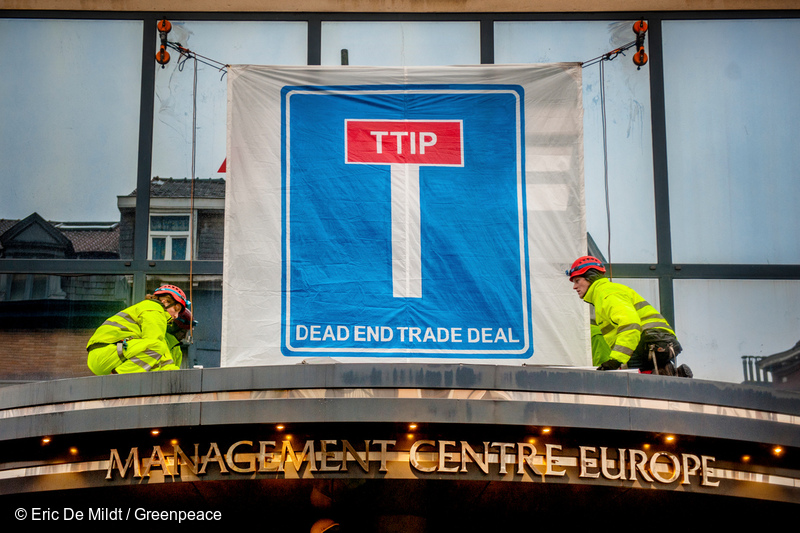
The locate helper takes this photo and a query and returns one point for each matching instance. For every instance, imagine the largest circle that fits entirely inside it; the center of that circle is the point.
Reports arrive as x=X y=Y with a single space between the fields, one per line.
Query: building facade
x=660 y=144
x=691 y=188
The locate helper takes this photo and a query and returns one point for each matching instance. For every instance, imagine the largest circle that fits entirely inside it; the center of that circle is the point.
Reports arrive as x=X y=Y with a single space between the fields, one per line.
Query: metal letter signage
x=403 y=213
x=514 y=461
x=404 y=222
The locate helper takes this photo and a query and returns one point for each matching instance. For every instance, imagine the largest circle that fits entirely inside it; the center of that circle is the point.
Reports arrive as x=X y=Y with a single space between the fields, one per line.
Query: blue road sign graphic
x=404 y=260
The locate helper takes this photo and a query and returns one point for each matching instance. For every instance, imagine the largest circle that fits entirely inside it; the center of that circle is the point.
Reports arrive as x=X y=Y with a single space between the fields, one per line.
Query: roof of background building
x=103 y=237
x=86 y=237
x=94 y=240
x=781 y=360
x=182 y=188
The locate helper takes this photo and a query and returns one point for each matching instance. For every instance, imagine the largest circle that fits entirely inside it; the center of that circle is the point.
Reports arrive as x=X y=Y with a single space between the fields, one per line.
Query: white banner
x=404 y=214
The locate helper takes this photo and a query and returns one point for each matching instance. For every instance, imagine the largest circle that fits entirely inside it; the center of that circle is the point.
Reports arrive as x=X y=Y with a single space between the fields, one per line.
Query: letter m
x=297 y=462
x=133 y=460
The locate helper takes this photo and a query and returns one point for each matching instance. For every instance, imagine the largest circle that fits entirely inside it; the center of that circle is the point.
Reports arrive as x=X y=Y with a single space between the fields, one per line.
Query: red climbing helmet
x=176 y=293
x=584 y=264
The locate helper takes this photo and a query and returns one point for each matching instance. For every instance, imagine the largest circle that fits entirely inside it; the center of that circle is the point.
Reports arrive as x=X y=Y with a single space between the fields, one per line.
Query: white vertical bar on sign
x=406 y=245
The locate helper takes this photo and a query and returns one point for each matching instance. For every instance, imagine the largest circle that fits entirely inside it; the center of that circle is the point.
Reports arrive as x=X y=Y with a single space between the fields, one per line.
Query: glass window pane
x=70 y=97
x=719 y=321
x=159 y=248
x=39 y=290
x=647 y=289
x=16 y=287
x=177 y=103
x=401 y=43
x=178 y=249
x=733 y=120
x=47 y=320
x=169 y=223
x=629 y=141
x=261 y=43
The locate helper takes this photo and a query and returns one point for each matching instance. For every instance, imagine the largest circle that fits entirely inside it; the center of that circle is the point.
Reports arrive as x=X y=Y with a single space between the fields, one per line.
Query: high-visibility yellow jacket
x=144 y=327
x=622 y=315
x=145 y=320
x=600 y=349
x=174 y=346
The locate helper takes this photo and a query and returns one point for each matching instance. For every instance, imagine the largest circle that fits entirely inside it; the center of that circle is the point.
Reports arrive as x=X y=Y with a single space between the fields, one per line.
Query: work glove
x=611 y=364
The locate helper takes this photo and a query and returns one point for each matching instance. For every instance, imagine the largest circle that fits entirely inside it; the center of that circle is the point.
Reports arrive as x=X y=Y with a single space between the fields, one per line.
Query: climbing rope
x=639 y=59
x=162 y=57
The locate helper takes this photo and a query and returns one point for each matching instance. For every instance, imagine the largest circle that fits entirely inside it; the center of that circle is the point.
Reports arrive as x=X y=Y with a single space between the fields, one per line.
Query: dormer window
x=169 y=237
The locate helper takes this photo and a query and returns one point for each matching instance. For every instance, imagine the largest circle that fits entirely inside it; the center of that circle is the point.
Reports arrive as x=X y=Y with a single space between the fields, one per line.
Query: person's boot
x=684 y=372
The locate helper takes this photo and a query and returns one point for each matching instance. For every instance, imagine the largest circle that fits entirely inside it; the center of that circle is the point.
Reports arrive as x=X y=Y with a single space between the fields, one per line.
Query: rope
x=601 y=59
x=608 y=56
x=191 y=197
x=605 y=161
x=187 y=54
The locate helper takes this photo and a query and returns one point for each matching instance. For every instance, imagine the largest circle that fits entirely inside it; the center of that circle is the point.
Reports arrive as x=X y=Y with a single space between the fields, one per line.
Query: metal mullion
x=487 y=41
x=708 y=271
x=731 y=271
x=660 y=171
x=141 y=227
x=314 y=37
x=74 y=267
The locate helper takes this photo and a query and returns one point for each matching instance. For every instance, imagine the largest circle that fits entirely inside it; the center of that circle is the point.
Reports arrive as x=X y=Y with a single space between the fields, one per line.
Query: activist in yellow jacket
x=622 y=316
x=601 y=352
x=133 y=340
x=177 y=330
x=174 y=345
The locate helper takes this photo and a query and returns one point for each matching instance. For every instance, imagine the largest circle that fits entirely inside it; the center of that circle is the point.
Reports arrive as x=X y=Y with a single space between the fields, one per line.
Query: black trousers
x=665 y=346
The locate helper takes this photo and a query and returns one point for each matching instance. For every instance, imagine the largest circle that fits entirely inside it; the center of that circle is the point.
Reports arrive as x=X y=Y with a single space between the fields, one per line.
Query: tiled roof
x=182 y=188
x=85 y=237
x=94 y=240
x=6 y=224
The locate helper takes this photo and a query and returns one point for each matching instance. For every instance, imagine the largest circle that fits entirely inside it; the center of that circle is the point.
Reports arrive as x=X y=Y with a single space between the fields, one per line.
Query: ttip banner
x=404 y=214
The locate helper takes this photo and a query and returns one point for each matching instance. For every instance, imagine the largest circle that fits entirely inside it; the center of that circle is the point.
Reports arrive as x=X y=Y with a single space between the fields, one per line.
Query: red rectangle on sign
x=410 y=142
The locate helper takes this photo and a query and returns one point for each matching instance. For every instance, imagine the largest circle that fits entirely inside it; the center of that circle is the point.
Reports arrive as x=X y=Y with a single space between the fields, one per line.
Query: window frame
x=189 y=234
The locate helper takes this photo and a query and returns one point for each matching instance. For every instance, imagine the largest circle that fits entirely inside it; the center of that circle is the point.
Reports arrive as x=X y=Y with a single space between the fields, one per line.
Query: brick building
x=171 y=201
x=46 y=319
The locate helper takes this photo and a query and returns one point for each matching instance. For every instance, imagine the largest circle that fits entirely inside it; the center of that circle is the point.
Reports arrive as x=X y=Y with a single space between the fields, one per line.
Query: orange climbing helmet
x=583 y=265
x=176 y=293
